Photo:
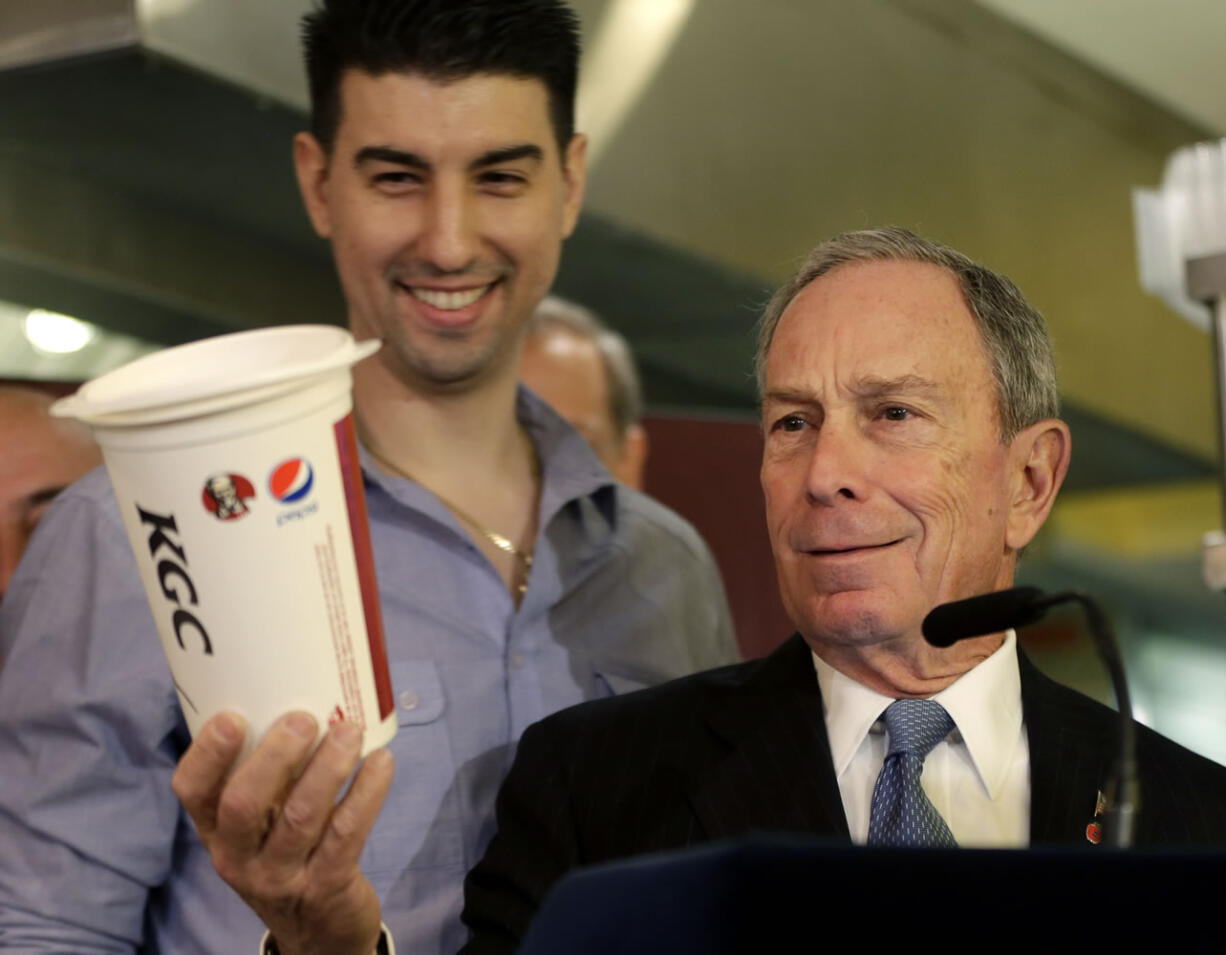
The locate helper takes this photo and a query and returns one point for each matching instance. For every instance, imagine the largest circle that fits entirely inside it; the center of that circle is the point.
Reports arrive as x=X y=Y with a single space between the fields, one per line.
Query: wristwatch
x=268 y=944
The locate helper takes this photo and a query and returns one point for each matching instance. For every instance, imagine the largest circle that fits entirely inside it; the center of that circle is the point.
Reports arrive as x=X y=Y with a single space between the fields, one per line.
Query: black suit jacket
x=744 y=749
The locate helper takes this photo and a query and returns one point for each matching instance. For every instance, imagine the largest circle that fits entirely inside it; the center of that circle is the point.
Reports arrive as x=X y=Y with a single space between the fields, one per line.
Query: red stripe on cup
x=355 y=498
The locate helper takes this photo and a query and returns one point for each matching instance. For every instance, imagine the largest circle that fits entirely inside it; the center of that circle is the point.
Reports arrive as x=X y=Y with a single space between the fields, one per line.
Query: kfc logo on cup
x=225 y=496
x=291 y=480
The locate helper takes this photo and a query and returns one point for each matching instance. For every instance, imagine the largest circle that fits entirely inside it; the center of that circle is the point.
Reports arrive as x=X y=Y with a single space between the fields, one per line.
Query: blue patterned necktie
x=901 y=814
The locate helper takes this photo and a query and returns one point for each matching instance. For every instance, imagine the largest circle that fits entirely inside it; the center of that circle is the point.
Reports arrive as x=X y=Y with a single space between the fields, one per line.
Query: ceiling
x=1169 y=51
x=146 y=183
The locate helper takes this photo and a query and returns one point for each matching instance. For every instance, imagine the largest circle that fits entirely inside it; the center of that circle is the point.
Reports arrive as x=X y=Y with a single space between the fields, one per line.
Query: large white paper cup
x=235 y=465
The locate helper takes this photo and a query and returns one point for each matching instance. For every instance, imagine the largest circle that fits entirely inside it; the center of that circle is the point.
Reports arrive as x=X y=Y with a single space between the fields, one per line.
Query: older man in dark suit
x=912 y=450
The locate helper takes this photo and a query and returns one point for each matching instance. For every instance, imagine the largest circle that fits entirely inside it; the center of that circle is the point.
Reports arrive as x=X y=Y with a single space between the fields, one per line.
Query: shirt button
x=409 y=700
x=517 y=660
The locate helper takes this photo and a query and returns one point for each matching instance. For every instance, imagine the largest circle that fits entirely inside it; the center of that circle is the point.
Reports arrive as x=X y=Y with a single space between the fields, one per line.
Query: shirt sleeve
x=718 y=647
x=89 y=735
x=671 y=568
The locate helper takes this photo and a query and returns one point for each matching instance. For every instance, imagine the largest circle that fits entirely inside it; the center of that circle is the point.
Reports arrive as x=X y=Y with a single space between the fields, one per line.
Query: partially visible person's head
x=585 y=370
x=442 y=40
x=444 y=172
x=1013 y=332
x=41 y=456
x=908 y=456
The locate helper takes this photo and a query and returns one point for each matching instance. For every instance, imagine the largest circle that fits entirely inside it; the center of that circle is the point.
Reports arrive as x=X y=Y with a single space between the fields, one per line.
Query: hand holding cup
x=280 y=838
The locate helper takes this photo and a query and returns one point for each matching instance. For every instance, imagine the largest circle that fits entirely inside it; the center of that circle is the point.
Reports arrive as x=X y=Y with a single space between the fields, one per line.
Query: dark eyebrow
x=508 y=154
x=493 y=157
x=387 y=154
x=43 y=495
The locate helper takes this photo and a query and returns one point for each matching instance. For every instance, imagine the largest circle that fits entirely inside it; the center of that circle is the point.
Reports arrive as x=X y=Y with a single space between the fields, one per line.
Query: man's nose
x=837 y=465
x=448 y=239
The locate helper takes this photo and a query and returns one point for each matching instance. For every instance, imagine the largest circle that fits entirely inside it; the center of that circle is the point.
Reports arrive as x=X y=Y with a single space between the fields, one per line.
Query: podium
x=767 y=894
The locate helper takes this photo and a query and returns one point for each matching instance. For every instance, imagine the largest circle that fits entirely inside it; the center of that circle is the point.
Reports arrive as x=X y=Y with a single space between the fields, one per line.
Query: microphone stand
x=1123 y=787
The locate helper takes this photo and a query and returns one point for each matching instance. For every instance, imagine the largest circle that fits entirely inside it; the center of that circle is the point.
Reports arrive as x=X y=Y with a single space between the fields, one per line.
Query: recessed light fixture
x=56 y=334
x=630 y=43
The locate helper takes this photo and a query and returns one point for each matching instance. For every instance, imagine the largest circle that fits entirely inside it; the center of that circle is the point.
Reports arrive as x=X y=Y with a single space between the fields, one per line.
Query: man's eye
x=392 y=181
x=896 y=413
x=503 y=182
x=790 y=423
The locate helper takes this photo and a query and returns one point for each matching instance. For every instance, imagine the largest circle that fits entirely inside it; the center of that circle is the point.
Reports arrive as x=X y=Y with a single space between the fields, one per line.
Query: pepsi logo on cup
x=225 y=496
x=291 y=480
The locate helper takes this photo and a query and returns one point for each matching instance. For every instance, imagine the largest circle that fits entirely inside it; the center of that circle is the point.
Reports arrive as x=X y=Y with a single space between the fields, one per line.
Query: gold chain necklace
x=501 y=541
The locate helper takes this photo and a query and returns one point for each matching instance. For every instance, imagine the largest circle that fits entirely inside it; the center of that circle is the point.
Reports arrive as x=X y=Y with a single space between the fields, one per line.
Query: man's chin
x=857 y=618
x=442 y=369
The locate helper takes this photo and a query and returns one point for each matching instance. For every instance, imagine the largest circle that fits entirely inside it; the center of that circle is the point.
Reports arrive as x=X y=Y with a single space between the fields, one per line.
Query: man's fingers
x=251 y=799
x=352 y=819
x=310 y=803
x=201 y=774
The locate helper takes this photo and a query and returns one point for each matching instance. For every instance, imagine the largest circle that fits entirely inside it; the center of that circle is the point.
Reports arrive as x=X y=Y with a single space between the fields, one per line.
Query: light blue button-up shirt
x=96 y=854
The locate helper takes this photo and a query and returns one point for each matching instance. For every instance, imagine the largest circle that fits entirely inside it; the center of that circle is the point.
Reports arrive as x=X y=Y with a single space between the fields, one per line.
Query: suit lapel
x=774 y=771
x=1069 y=760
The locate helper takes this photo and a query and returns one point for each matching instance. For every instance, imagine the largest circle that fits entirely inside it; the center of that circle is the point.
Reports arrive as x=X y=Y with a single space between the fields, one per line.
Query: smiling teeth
x=448 y=301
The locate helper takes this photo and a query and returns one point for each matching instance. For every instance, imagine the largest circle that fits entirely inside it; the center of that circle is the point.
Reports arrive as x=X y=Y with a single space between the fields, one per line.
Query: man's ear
x=1039 y=457
x=574 y=172
x=311 y=167
x=633 y=460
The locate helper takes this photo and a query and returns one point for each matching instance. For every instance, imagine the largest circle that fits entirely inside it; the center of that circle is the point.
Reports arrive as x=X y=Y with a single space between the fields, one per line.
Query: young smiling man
x=516 y=577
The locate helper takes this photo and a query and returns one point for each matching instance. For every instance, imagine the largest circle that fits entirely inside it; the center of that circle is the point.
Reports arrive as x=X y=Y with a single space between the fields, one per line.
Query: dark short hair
x=1013 y=332
x=625 y=392
x=443 y=40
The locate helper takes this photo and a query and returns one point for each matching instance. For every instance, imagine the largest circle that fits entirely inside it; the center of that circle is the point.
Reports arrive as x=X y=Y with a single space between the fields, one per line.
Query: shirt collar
x=570 y=469
x=985 y=704
x=851 y=710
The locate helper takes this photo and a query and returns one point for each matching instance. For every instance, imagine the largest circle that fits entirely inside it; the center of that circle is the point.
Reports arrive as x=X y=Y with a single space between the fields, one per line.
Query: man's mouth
x=850 y=549
x=448 y=300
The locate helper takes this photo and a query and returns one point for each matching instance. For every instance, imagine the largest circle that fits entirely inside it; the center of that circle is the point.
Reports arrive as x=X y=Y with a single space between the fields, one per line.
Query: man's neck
x=908 y=666
x=467 y=447
x=452 y=440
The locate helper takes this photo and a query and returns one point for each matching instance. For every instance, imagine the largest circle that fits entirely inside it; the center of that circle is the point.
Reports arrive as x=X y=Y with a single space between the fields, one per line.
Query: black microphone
x=987 y=613
x=1009 y=609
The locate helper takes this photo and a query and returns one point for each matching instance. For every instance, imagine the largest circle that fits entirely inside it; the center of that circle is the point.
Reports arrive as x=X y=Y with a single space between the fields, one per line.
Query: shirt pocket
x=419 y=692
x=420 y=826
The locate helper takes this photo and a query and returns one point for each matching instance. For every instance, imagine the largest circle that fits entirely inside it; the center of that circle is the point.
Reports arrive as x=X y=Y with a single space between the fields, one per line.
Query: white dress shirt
x=978 y=777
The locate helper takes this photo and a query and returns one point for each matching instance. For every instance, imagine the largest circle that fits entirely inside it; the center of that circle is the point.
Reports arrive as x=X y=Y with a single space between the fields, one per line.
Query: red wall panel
x=707 y=471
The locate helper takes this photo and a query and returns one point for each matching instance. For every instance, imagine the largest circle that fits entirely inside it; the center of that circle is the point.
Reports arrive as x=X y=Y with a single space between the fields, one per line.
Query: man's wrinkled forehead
x=877 y=329
x=866 y=387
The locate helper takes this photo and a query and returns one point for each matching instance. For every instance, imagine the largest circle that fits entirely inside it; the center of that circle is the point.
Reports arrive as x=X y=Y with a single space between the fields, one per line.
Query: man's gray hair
x=625 y=392
x=1013 y=331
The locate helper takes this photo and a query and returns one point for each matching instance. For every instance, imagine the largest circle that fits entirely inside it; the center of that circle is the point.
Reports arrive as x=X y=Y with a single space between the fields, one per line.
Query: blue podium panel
x=768 y=894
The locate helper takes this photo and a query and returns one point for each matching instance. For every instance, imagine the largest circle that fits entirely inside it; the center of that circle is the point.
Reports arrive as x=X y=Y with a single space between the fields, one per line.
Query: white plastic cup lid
x=213 y=374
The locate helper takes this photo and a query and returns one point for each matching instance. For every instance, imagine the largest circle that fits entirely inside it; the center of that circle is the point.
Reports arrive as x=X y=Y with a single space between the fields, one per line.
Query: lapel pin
x=1100 y=804
x=1094 y=833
